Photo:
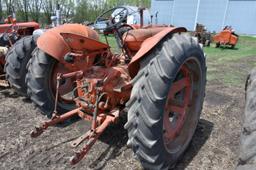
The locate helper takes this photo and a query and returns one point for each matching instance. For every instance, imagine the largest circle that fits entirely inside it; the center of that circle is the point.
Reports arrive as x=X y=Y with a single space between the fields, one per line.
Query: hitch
x=99 y=120
x=54 y=120
x=91 y=136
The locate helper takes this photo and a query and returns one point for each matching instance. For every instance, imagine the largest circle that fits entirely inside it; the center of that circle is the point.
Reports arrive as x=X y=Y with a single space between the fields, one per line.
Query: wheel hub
x=176 y=105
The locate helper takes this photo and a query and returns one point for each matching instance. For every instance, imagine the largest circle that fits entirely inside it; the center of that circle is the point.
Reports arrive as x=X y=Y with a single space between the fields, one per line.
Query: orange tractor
x=20 y=34
x=226 y=37
x=159 y=79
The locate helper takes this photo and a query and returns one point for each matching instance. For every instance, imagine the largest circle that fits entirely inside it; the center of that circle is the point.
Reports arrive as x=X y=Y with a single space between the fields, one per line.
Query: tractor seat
x=134 y=38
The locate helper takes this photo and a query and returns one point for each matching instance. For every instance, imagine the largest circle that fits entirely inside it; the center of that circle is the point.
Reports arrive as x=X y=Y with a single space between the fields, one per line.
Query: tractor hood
x=4 y=27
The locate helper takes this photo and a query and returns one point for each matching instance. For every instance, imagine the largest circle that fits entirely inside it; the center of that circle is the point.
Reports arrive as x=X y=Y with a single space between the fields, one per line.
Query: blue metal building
x=214 y=14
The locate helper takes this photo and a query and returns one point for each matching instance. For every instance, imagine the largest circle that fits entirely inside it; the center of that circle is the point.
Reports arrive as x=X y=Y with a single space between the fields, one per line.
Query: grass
x=231 y=66
x=112 y=42
x=227 y=66
x=246 y=47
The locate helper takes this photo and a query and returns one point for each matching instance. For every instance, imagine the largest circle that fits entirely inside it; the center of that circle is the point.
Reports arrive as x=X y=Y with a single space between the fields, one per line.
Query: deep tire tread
x=143 y=142
x=16 y=63
x=37 y=71
x=247 y=157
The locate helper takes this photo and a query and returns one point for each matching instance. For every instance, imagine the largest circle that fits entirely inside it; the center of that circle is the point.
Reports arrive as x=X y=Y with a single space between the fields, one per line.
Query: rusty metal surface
x=100 y=94
x=175 y=111
x=101 y=80
x=225 y=37
x=77 y=42
x=147 y=45
x=4 y=27
x=134 y=38
x=53 y=43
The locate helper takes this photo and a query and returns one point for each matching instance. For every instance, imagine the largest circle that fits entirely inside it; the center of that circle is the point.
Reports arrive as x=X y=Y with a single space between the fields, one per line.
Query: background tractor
x=226 y=37
x=204 y=37
x=158 y=78
x=12 y=33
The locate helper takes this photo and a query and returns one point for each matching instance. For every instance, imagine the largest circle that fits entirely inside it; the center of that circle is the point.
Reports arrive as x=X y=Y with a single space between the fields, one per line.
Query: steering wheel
x=113 y=17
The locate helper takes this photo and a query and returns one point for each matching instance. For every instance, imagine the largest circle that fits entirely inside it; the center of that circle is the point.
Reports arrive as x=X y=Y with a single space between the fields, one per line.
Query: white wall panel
x=214 y=14
x=164 y=9
x=184 y=13
x=241 y=15
x=211 y=14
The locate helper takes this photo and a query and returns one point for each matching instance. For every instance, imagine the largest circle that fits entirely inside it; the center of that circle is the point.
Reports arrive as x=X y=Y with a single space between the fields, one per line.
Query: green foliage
x=88 y=10
x=42 y=10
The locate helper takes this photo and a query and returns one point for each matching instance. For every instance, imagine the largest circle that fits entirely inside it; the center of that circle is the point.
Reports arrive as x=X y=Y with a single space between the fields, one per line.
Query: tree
x=1 y=11
x=48 y=10
x=88 y=10
x=35 y=7
x=67 y=8
x=42 y=10
x=9 y=6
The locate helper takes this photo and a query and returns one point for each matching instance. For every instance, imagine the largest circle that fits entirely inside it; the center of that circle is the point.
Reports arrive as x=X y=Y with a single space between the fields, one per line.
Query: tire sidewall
x=194 y=52
x=199 y=58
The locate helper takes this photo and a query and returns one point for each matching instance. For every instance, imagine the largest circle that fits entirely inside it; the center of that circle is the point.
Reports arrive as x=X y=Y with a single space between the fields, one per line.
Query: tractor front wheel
x=41 y=82
x=166 y=101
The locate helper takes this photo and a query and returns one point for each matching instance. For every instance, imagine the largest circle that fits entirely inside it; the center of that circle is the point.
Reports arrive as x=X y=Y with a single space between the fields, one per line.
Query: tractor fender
x=149 y=44
x=52 y=42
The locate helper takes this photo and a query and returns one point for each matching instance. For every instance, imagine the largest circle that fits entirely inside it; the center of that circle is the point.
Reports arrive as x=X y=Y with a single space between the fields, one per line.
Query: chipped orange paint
x=52 y=43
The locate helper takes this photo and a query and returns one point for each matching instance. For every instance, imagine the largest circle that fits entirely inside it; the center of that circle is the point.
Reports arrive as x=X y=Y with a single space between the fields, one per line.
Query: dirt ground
x=215 y=145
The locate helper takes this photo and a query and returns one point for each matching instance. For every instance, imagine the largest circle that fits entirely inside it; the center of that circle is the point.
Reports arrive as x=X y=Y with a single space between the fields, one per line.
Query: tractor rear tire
x=247 y=157
x=39 y=76
x=158 y=73
x=16 y=63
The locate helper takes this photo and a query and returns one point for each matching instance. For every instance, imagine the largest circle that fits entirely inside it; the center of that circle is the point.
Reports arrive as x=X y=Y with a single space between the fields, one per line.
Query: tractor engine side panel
x=147 y=45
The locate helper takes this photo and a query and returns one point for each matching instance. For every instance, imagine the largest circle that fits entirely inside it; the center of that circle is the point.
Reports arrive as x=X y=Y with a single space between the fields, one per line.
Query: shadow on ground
x=201 y=135
x=8 y=93
x=116 y=137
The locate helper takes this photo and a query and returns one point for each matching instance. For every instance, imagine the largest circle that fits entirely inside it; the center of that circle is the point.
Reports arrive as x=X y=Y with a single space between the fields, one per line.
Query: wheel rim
x=179 y=119
x=65 y=99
